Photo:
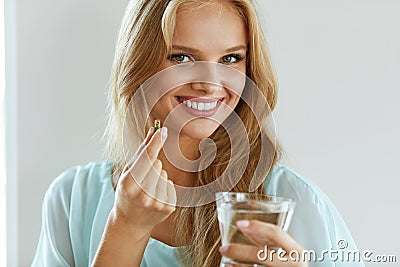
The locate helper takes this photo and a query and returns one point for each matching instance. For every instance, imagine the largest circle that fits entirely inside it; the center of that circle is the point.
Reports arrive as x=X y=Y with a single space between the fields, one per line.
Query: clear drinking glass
x=233 y=206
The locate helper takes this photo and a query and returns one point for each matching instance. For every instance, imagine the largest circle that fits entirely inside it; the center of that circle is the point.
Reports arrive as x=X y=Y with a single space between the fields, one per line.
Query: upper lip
x=202 y=99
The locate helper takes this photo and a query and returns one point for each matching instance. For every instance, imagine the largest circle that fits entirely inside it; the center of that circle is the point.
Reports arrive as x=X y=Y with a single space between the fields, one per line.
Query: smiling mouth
x=201 y=104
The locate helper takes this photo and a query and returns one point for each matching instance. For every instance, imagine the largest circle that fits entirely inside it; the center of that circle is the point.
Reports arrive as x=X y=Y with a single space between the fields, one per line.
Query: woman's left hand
x=261 y=233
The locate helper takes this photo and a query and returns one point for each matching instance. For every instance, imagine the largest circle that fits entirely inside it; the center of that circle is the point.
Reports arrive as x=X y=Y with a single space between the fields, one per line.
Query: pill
x=157 y=124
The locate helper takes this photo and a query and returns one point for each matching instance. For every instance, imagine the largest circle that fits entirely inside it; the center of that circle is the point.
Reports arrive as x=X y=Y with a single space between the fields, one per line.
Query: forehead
x=214 y=26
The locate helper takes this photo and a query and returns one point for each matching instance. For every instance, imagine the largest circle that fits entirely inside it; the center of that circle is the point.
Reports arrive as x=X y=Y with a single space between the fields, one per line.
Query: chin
x=200 y=128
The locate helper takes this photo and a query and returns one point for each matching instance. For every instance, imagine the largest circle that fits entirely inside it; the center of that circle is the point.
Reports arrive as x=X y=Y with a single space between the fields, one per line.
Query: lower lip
x=200 y=113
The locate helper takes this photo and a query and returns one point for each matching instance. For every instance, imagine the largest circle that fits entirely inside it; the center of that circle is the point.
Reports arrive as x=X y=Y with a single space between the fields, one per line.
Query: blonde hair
x=150 y=23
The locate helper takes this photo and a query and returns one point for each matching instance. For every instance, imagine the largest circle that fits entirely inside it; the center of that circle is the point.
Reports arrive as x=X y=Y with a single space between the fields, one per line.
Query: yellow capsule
x=157 y=124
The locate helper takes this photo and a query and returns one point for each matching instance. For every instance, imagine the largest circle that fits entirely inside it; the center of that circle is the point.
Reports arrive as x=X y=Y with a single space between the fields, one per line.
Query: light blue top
x=77 y=204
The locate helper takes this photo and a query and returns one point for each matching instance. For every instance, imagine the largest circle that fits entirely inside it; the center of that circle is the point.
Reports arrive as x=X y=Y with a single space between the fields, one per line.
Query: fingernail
x=164 y=131
x=243 y=223
x=223 y=249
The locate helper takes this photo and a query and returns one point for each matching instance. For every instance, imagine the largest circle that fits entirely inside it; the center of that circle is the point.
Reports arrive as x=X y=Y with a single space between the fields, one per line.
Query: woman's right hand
x=143 y=198
x=144 y=194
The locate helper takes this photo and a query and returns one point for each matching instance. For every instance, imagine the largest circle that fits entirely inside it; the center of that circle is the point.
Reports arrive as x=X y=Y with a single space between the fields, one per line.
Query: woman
x=125 y=212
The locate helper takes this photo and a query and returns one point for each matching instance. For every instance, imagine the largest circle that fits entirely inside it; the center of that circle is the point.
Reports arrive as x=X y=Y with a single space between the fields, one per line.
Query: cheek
x=165 y=104
x=234 y=87
x=160 y=110
x=234 y=99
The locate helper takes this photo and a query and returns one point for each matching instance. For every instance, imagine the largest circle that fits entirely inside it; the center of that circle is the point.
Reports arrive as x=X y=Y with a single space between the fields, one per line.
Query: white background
x=337 y=64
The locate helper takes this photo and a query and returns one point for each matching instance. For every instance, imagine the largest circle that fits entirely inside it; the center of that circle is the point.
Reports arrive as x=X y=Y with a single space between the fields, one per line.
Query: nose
x=210 y=79
x=207 y=87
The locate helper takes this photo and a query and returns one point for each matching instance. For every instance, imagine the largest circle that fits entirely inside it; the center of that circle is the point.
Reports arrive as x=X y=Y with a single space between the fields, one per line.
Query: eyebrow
x=193 y=50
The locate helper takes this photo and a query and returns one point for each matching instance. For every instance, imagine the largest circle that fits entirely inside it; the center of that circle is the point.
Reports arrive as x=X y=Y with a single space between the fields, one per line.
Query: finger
x=171 y=193
x=158 y=189
x=150 y=181
x=156 y=142
x=260 y=255
x=147 y=157
x=258 y=230
x=140 y=148
x=161 y=187
x=241 y=252
x=166 y=190
x=146 y=139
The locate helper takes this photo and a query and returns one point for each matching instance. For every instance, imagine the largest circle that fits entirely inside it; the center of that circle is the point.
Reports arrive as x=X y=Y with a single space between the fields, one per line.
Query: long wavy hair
x=143 y=43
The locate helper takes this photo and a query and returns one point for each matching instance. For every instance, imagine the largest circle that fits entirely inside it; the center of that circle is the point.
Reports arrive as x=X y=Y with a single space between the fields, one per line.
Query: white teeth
x=199 y=105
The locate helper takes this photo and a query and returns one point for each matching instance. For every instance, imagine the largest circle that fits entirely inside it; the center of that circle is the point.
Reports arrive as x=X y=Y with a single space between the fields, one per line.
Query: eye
x=233 y=58
x=180 y=58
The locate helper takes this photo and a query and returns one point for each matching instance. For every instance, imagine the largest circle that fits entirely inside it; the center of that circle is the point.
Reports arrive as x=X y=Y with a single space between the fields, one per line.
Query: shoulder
x=81 y=177
x=313 y=207
x=284 y=181
x=69 y=213
x=316 y=222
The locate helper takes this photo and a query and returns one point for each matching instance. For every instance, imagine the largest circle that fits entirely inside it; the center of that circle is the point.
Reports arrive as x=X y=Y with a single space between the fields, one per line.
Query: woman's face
x=215 y=34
